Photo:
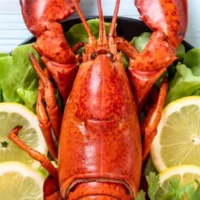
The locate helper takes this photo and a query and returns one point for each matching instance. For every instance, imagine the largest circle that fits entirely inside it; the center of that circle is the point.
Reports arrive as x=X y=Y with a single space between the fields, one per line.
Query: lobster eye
x=94 y=55
x=110 y=55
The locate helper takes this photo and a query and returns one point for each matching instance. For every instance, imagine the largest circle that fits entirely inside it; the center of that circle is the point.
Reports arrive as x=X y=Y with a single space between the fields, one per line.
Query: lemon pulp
x=20 y=182
x=12 y=115
x=178 y=139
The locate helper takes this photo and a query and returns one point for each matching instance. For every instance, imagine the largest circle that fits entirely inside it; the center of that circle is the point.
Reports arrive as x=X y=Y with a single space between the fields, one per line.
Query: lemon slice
x=20 y=182
x=184 y=173
x=12 y=115
x=178 y=139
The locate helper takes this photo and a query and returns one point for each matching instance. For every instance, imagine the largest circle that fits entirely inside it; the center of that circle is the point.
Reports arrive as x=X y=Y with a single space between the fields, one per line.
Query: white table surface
x=13 y=30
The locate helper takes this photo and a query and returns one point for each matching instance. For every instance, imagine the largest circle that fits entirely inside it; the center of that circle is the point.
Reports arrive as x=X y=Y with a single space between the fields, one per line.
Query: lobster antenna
x=102 y=30
x=114 y=19
x=85 y=24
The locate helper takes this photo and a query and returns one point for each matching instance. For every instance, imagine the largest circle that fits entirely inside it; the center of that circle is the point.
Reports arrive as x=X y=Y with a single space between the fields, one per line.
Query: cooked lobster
x=101 y=144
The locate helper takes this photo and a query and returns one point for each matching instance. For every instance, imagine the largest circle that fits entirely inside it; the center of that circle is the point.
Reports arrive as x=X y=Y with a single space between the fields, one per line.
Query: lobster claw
x=58 y=57
x=41 y=18
x=170 y=17
x=38 y=13
x=168 y=20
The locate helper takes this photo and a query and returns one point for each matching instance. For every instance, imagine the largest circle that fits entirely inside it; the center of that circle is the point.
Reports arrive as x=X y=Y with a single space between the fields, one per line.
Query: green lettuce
x=192 y=60
x=180 y=53
x=3 y=55
x=77 y=33
x=186 y=81
x=18 y=80
x=141 y=41
x=1 y=97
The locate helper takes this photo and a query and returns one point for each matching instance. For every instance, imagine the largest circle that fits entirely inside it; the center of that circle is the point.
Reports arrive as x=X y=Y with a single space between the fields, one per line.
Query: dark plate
x=126 y=27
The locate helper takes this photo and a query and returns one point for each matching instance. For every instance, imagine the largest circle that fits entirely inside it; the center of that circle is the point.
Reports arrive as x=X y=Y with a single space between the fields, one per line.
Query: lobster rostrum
x=101 y=143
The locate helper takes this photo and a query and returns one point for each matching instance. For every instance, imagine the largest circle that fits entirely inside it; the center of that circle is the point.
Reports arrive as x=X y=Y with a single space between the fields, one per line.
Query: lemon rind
x=168 y=110
x=178 y=170
x=23 y=169
x=10 y=107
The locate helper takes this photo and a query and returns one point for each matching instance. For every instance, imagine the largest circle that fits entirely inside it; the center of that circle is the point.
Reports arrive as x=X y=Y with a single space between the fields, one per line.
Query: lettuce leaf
x=1 y=97
x=77 y=33
x=28 y=96
x=186 y=81
x=192 y=60
x=141 y=41
x=18 y=80
x=3 y=55
x=180 y=53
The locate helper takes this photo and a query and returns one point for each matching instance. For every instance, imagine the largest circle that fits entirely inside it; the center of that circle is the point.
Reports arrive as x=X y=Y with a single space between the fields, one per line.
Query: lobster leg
x=51 y=189
x=153 y=118
x=44 y=160
x=144 y=72
x=149 y=108
x=51 y=183
x=76 y=47
x=45 y=124
x=50 y=99
x=152 y=99
x=124 y=46
x=54 y=196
